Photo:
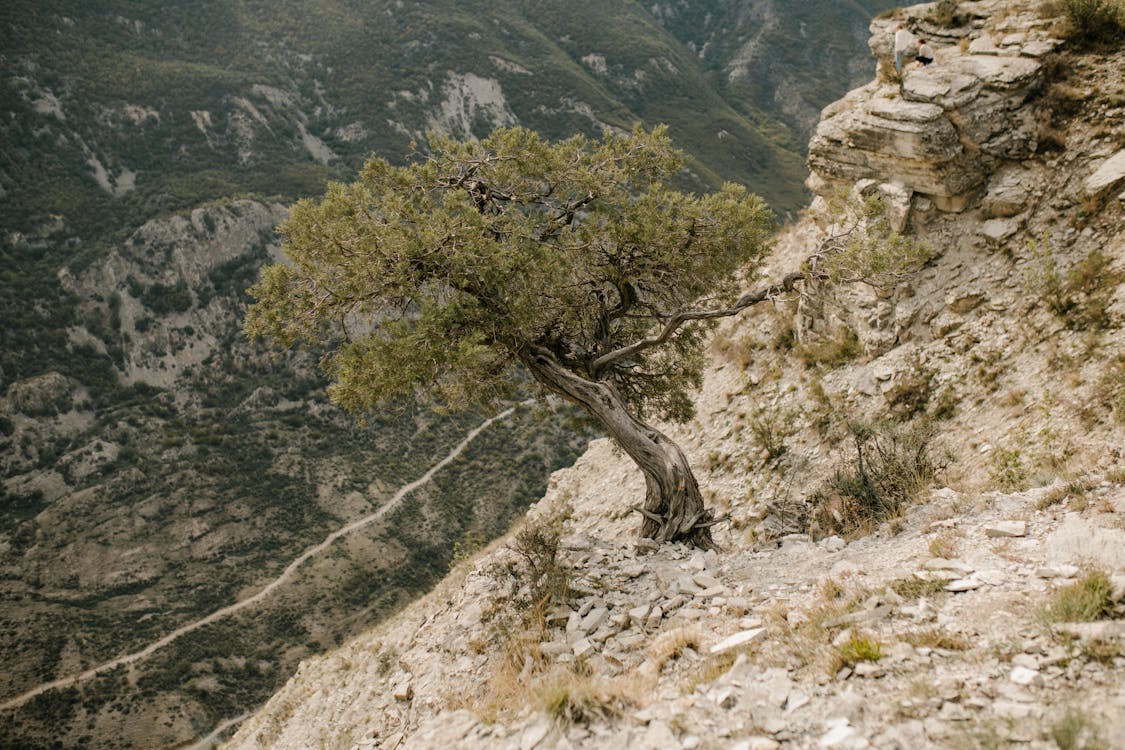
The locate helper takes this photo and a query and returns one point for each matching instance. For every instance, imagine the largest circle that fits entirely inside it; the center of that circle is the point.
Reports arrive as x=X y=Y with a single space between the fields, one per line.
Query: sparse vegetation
x=1087 y=600
x=1093 y=23
x=1076 y=730
x=1080 y=296
x=672 y=643
x=944 y=545
x=891 y=464
x=912 y=587
x=910 y=394
x=837 y=350
x=1109 y=391
x=935 y=638
x=1008 y=470
x=945 y=14
x=535 y=578
x=1075 y=488
x=859 y=647
x=770 y=428
x=571 y=697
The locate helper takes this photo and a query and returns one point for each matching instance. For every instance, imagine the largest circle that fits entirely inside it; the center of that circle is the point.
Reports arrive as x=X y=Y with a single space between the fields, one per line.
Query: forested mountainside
x=154 y=465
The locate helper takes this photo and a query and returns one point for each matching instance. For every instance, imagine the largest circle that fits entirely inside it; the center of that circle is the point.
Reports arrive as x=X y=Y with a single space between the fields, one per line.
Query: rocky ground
x=755 y=647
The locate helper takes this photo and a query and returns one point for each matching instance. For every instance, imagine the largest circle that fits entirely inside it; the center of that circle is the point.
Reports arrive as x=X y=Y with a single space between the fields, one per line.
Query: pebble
x=869 y=669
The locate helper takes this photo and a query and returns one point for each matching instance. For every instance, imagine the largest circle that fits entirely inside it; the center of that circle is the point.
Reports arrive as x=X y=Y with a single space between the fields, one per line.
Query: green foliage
x=1087 y=600
x=446 y=272
x=1008 y=470
x=833 y=351
x=164 y=299
x=1094 y=23
x=892 y=463
x=863 y=246
x=1082 y=295
x=770 y=428
x=546 y=578
x=467 y=548
x=856 y=649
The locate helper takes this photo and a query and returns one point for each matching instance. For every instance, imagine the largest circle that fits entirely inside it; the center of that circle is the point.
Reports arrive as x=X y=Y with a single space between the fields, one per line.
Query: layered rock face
x=948 y=125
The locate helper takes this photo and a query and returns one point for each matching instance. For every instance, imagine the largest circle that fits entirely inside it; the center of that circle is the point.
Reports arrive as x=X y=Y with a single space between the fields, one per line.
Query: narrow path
x=286 y=574
x=208 y=742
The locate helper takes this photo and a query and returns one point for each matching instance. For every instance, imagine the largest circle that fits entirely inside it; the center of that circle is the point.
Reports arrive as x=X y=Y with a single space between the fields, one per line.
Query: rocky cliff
x=987 y=612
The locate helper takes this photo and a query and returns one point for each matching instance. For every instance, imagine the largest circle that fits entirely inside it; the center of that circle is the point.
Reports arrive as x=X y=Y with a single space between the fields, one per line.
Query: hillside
x=985 y=611
x=155 y=467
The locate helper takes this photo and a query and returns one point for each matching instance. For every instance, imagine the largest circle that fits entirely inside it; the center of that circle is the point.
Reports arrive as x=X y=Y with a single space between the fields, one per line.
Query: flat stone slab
x=1001 y=72
x=1108 y=175
x=738 y=640
x=1006 y=529
x=964 y=584
x=905 y=111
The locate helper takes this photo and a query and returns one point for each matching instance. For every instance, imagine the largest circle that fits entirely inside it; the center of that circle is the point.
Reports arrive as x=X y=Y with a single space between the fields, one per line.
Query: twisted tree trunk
x=673 y=510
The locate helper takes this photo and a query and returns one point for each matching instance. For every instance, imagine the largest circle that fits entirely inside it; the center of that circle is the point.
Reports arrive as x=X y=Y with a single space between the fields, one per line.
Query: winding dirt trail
x=269 y=588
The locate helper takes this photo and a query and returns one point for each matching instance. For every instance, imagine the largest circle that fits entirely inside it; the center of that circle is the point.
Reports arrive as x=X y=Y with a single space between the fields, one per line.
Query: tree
x=575 y=260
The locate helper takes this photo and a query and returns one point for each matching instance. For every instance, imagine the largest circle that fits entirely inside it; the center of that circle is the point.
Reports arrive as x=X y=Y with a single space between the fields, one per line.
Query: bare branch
x=676 y=321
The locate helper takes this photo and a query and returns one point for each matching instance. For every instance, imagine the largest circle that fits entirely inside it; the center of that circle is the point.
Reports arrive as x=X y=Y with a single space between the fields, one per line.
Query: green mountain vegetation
x=155 y=465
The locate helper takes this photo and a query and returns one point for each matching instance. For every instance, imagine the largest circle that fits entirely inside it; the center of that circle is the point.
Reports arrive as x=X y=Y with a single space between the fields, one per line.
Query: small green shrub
x=467 y=547
x=536 y=579
x=1087 y=600
x=770 y=429
x=832 y=352
x=1110 y=388
x=1008 y=471
x=910 y=394
x=856 y=649
x=1094 y=23
x=892 y=463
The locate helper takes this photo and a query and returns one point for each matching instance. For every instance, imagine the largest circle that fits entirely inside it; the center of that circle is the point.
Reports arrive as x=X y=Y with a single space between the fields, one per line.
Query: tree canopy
x=436 y=275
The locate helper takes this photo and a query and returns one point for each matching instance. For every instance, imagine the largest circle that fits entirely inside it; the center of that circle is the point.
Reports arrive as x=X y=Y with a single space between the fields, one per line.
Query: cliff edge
x=988 y=611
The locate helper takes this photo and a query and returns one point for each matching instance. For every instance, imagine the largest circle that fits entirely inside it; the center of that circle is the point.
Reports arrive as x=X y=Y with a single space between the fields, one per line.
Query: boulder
x=1107 y=176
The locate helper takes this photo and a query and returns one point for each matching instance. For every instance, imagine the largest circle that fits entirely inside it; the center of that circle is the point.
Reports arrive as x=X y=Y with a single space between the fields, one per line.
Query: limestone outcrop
x=942 y=129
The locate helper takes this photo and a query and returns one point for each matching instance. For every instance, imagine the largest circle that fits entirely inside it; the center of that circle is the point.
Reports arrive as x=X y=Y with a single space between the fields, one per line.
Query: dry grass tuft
x=672 y=643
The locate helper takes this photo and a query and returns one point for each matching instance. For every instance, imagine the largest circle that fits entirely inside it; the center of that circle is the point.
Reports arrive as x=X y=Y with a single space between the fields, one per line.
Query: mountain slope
x=946 y=623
